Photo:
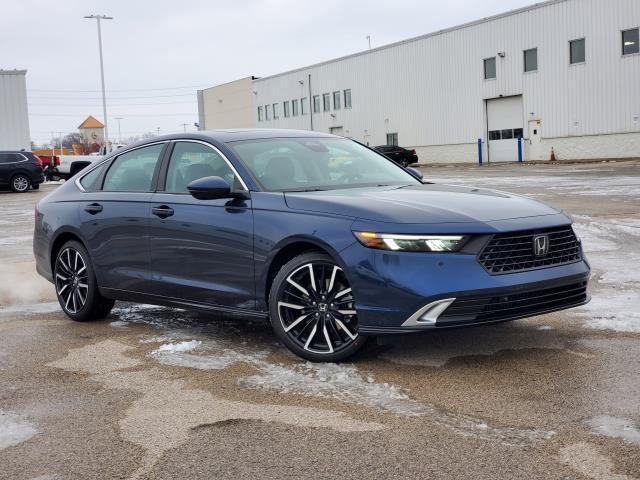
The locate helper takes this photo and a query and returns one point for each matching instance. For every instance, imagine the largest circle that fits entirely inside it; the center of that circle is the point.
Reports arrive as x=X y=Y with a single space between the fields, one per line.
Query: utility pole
x=104 y=98
x=184 y=126
x=369 y=40
x=119 y=132
x=158 y=129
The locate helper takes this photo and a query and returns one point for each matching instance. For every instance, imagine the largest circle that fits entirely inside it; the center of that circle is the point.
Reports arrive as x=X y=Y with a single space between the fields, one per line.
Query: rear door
x=201 y=250
x=115 y=219
x=5 y=158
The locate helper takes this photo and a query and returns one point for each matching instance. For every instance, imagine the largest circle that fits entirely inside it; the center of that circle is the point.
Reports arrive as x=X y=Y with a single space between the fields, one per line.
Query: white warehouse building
x=14 y=114
x=561 y=74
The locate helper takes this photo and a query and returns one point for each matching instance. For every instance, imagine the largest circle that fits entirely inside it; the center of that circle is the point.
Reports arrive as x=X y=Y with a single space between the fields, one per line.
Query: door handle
x=93 y=208
x=162 y=211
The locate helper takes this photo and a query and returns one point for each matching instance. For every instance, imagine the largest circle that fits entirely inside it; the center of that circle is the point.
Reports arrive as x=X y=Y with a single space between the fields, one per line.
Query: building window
x=267 y=112
x=347 y=98
x=577 y=51
x=294 y=107
x=531 y=60
x=489 y=68
x=275 y=111
x=287 y=112
x=326 y=102
x=630 y=41
x=316 y=103
x=303 y=105
x=260 y=113
x=392 y=139
x=336 y=100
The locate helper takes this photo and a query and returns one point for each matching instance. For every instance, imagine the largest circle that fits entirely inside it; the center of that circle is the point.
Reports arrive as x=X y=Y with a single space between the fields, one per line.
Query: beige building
x=229 y=105
x=92 y=130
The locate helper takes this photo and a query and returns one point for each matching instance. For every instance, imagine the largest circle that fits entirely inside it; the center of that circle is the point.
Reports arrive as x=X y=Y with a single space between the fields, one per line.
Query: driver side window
x=191 y=161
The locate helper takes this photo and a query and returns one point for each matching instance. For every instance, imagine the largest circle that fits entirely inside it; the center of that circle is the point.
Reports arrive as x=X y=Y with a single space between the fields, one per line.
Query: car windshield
x=299 y=164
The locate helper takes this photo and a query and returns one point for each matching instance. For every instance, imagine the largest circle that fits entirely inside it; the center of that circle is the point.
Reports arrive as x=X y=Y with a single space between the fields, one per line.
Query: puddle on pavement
x=615 y=427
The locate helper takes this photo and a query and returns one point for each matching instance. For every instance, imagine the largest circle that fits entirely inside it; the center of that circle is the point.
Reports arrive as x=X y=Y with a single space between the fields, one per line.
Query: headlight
x=412 y=243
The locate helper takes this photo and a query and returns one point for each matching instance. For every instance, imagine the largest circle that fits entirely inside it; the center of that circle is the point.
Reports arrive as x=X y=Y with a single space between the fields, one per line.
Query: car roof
x=241 y=134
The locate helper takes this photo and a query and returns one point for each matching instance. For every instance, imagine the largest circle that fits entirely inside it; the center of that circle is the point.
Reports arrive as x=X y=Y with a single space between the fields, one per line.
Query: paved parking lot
x=161 y=393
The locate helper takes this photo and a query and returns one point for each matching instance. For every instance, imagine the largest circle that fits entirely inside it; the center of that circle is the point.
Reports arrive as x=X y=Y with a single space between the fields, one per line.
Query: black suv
x=20 y=170
x=399 y=155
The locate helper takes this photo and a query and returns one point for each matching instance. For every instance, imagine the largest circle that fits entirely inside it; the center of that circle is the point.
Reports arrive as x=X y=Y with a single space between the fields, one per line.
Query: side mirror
x=209 y=188
x=415 y=172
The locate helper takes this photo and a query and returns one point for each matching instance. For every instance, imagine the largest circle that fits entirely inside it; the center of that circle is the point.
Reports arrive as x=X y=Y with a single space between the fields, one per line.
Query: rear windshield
x=298 y=164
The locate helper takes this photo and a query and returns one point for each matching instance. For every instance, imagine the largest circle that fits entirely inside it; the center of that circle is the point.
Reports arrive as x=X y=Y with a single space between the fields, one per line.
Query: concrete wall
x=14 y=115
x=227 y=106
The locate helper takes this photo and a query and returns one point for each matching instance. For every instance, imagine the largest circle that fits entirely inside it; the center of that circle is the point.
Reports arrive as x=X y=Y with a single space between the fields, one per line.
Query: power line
x=126 y=115
x=84 y=105
x=124 y=90
x=114 y=98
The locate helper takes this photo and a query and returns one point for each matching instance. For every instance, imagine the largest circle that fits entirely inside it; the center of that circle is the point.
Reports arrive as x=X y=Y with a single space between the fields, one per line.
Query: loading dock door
x=505 y=126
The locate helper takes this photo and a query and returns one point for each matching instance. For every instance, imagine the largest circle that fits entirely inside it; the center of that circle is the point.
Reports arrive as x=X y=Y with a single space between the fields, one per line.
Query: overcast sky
x=158 y=53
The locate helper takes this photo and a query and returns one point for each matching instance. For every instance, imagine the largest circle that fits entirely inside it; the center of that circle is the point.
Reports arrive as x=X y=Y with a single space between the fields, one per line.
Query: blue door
x=201 y=250
x=115 y=220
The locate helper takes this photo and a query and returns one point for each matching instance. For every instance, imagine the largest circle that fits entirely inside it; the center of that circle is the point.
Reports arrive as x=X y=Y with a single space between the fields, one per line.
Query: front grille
x=518 y=305
x=514 y=252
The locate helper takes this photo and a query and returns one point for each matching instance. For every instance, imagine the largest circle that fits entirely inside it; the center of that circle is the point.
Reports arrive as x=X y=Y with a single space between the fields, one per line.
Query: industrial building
x=561 y=74
x=14 y=114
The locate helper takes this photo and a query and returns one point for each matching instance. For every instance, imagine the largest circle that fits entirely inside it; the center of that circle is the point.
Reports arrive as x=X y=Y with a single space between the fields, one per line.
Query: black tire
x=320 y=326
x=404 y=162
x=76 y=286
x=20 y=183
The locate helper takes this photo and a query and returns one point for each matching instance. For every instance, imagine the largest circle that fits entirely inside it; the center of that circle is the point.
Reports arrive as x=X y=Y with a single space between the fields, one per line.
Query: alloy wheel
x=72 y=280
x=316 y=308
x=20 y=183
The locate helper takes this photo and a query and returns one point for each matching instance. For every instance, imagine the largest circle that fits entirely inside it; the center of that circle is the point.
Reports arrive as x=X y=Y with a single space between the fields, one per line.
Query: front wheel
x=76 y=285
x=312 y=309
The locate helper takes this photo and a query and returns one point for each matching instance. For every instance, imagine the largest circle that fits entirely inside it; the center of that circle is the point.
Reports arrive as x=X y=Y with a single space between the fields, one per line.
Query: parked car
x=20 y=170
x=69 y=165
x=266 y=224
x=400 y=155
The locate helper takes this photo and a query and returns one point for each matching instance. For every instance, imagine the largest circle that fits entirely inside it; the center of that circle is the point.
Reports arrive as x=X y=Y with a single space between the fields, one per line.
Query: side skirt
x=136 y=297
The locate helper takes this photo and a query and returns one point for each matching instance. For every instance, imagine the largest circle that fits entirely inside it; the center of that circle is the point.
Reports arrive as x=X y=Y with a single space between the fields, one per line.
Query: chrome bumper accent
x=428 y=315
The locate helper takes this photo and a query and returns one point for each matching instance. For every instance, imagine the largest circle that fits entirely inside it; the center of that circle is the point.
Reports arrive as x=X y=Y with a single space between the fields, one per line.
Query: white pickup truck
x=72 y=164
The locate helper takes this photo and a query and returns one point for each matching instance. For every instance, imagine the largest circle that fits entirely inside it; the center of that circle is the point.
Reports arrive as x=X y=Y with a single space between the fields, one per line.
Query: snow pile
x=14 y=430
x=615 y=427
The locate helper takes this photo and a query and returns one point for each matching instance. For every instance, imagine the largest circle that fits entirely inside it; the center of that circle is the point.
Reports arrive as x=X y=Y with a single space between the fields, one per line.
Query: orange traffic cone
x=553 y=156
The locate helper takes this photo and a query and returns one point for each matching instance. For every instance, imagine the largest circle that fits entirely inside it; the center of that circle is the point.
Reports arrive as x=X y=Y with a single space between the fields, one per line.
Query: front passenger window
x=191 y=161
x=133 y=171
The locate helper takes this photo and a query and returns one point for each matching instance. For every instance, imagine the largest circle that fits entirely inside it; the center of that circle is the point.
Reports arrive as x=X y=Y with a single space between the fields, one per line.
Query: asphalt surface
x=159 y=393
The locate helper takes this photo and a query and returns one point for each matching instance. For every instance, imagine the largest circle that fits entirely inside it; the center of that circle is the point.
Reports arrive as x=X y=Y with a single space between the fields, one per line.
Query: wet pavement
x=153 y=392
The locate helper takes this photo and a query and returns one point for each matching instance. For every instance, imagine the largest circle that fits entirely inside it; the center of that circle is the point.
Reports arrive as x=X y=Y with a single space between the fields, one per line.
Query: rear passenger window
x=193 y=161
x=90 y=178
x=133 y=171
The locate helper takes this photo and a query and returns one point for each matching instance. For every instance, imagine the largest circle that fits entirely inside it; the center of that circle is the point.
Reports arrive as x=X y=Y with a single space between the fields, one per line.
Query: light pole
x=119 y=132
x=104 y=98
x=369 y=40
x=184 y=126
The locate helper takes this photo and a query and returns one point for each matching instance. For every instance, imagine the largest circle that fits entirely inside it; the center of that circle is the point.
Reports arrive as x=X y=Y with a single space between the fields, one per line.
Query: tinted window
x=630 y=41
x=317 y=163
x=531 y=60
x=577 y=51
x=490 y=68
x=517 y=133
x=90 y=178
x=494 y=135
x=192 y=161
x=347 y=98
x=507 y=134
x=10 y=157
x=133 y=171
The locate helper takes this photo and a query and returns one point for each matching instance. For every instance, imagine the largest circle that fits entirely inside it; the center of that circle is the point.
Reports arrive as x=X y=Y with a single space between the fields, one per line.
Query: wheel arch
x=59 y=240
x=285 y=251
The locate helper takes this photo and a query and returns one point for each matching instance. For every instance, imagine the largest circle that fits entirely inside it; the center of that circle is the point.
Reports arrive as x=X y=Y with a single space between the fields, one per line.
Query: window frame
x=344 y=93
x=286 y=109
x=99 y=183
x=637 y=43
x=326 y=102
x=294 y=107
x=524 y=60
x=313 y=101
x=394 y=136
x=260 y=113
x=303 y=102
x=267 y=113
x=584 y=51
x=274 y=107
x=484 y=68
x=336 y=96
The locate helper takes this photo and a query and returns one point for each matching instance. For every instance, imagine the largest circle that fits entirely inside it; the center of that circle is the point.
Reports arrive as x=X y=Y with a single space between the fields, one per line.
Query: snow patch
x=178 y=347
x=14 y=430
x=31 y=309
x=615 y=427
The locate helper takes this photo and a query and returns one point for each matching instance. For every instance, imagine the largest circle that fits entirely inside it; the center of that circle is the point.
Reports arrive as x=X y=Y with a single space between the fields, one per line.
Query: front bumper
x=392 y=287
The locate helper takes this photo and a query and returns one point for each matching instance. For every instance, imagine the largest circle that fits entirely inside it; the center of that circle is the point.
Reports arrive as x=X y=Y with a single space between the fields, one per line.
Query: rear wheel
x=312 y=309
x=76 y=285
x=20 y=183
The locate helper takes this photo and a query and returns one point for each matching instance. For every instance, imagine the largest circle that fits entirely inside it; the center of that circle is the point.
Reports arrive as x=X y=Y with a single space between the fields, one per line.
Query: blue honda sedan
x=328 y=239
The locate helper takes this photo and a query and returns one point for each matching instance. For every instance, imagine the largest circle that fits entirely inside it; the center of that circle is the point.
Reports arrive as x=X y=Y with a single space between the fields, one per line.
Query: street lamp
x=119 y=132
x=104 y=98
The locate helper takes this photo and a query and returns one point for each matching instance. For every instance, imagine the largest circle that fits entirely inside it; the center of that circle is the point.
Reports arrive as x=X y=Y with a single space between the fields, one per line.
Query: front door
x=535 y=146
x=115 y=221
x=201 y=250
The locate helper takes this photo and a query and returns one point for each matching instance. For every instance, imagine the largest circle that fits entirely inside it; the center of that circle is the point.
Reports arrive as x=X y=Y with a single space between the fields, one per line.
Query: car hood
x=429 y=203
